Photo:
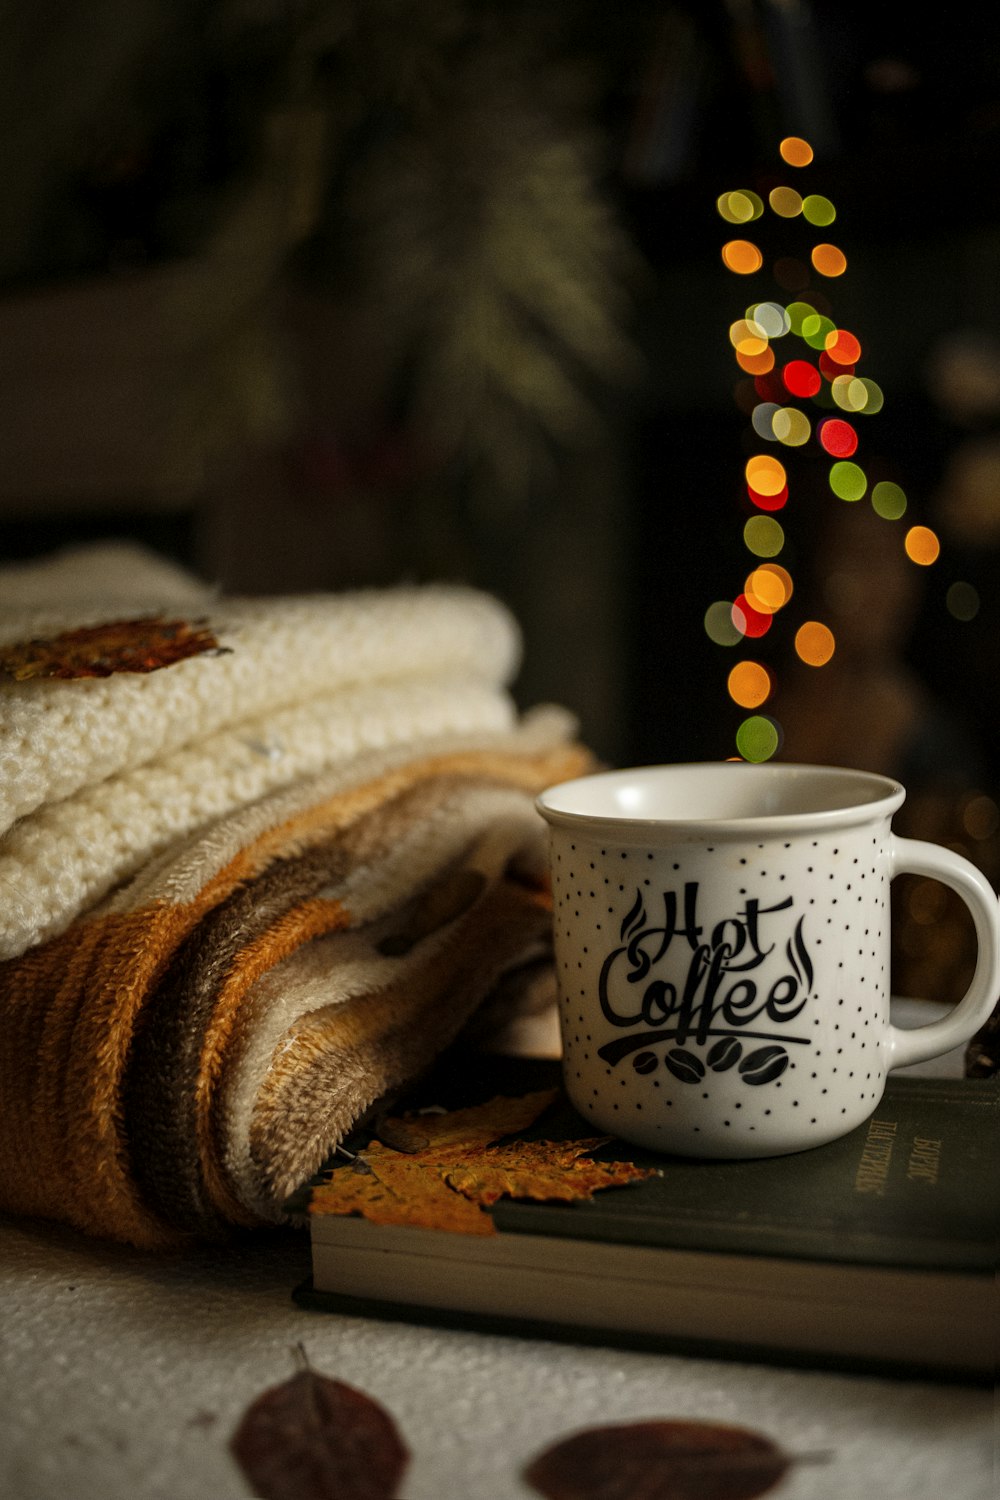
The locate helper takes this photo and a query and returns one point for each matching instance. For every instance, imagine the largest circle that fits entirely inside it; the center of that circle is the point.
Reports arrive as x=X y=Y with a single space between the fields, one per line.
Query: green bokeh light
x=815 y=329
x=889 y=500
x=962 y=600
x=818 y=210
x=757 y=738
x=876 y=400
x=797 y=314
x=848 y=481
x=764 y=536
x=719 y=625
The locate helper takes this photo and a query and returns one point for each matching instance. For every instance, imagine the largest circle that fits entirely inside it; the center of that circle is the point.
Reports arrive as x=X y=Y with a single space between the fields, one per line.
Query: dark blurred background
x=322 y=295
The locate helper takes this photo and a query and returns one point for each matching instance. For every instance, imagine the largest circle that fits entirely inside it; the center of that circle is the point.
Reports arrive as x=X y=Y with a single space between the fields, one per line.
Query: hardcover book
x=877 y=1251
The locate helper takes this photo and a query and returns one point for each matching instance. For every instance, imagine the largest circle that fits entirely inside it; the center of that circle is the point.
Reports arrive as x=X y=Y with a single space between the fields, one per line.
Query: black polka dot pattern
x=780 y=919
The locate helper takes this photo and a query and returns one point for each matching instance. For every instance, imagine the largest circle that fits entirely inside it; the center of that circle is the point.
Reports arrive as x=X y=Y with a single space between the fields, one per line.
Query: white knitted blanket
x=99 y=774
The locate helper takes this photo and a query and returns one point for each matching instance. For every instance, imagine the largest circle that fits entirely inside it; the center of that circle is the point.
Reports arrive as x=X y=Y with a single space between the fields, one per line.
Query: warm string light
x=818 y=363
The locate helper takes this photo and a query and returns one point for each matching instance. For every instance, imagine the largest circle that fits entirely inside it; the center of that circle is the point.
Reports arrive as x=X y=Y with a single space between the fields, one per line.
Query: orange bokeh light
x=749 y=684
x=843 y=348
x=742 y=256
x=829 y=260
x=814 y=643
x=922 y=546
x=795 y=151
x=769 y=588
x=756 y=364
x=766 y=475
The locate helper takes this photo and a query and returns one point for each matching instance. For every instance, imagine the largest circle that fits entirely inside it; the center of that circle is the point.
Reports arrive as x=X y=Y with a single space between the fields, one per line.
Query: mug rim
x=886 y=796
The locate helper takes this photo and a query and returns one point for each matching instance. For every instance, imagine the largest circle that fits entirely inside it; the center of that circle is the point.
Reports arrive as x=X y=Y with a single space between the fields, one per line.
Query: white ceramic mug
x=722 y=946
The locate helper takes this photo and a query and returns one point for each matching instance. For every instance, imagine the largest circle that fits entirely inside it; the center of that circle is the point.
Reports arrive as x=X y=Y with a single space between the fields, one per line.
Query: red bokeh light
x=749 y=621
x=801 y=378
x=768 y=502
x=838 y=437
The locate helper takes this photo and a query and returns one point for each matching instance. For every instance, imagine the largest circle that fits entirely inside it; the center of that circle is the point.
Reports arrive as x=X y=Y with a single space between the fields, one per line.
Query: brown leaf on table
x=458 y=1171
x=659 y=1460
x=313 y=1438
x=140 y=645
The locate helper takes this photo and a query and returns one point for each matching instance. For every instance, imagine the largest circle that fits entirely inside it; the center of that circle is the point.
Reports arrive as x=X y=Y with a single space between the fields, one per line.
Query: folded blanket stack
x=248 y=894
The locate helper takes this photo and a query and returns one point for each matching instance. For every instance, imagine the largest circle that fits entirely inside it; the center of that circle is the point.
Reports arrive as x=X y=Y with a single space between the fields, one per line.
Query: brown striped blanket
x=182 y=1051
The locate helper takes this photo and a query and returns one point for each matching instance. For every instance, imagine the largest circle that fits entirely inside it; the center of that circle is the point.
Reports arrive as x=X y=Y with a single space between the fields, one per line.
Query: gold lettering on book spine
x=924 y=1164
x=876 y=1154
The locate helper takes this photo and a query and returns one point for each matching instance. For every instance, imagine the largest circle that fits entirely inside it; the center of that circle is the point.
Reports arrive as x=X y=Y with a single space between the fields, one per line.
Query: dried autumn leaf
x=659 y=1461
x=457 y=1171
x=313 y=1438
x=139 y=645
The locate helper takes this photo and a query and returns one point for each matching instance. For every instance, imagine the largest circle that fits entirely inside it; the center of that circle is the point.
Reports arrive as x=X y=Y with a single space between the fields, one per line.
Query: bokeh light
x=818 y=210
x=837 y=437
x=748 y=335
x=766 y=475
x=740 y=207
x=849 y=393
x=762 y=420
x=889 y=500
x=742 y=256
x=769 y=502
x=922 y=546
x=763 y=536
x=815 y=328
x=795 y=151
x=758 y=738
x=756 y=364
x=749 y=343
x=801 y=378
x=848 y=481
x=749 y=621
x=791 y=427
x=843 y=347
x=828 y=260
x=749 y=684
x=770 y=317
x=814 y=643
x=962 y=600
x=768 y=588
x=980 y=816
x=875 y=400
x=826 y=377
x=786 y=202
x=719 y=624
x=797 y=314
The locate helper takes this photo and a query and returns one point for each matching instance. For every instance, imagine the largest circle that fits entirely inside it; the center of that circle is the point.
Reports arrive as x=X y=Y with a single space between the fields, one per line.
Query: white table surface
x=123 y=1375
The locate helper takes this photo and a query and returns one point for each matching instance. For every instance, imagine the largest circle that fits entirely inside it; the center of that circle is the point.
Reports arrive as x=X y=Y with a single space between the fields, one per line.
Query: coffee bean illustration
x=684 y=1065
x=723 y=1054
x=645 y=1062
x=764 y=1065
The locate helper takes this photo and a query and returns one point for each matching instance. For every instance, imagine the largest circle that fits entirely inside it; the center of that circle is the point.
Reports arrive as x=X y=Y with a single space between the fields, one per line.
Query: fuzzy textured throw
x=247 y=895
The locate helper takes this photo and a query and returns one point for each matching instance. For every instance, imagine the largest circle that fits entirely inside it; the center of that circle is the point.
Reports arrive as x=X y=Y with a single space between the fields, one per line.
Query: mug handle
x=917 y=857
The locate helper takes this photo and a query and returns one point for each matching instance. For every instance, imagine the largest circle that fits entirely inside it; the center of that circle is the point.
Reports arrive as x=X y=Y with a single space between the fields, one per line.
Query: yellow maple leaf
x=456 y=1169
